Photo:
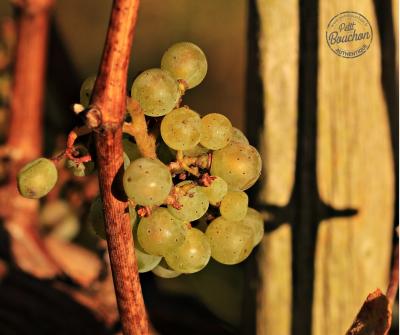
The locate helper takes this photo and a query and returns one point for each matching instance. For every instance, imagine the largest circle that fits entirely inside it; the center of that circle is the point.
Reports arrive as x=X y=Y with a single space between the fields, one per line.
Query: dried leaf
x=374 y=317
x=78 y=263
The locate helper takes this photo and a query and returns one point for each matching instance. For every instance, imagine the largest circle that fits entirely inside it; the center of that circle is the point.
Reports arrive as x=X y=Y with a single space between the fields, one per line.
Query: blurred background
x=327 y=128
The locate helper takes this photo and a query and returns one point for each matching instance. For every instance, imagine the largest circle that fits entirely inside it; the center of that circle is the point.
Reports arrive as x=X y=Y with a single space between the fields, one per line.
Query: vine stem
x=109 y=97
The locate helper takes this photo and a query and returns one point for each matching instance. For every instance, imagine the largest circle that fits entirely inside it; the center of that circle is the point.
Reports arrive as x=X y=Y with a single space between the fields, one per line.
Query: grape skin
x=37 y=178
x=216 y=131
x=161 y=232
x=185 y=61
x=145 y=261
x=162 y=270
x=238 y=136
x=254 y=220
x=230 y=241
x=193 y=255
x=216 y=191
x=156 y=91
x=194 y=203
x=238 y=164
x=180 y=129
x=234 y=205
x=86 y=90
x=147 y=181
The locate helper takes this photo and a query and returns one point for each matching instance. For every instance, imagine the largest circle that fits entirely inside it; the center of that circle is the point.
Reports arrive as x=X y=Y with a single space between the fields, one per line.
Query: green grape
x=180 y=129
x=197 y=150
x=254 y=220
x=126 y=159
x=216 y=131
x=145 y=261
x=80 y=169
x=162 y=270
x=185 y=61
x=194 y=202
x=37 y=178
x=216 y=191
x=234 y=205
x=230 y=242
x=238 y=136
x=147 y=181
x=131 y=149
x=161 y=232
x=238 y=164
x=97 y=221
x=86 y=90
x=193 y=255
x=156 y=91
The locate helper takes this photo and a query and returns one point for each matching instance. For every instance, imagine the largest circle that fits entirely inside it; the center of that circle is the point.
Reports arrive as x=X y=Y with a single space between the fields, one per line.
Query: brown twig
x=109 y=97
x=24 y=140
x=138 y=129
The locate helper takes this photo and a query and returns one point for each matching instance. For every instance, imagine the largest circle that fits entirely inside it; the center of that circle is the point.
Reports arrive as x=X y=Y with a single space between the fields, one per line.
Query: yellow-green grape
x=86 y=90
x=156 y=91
x=254 y=220
x=97 y=221
x=37 y=178
x=193 y=255
x=185 y=61
x=131 y=149
x=147 y=182
x=58 y=218
x=238 y=136
x=194 y=203
x=234 y=205
x=161 y=232
x=230 y=241
x=216 y=131
x=162 y=270
x=238 y=164
x=180 y=129
x=145 y=261
x=197 y=150
x=216 y=191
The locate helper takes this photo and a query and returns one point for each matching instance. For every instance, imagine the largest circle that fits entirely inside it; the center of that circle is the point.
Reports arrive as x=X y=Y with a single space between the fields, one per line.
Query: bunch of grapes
x=189 y=203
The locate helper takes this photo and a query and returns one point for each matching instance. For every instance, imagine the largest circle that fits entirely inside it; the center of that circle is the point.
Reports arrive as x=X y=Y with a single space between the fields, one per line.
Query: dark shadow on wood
x=254 y=112
x=390 y=83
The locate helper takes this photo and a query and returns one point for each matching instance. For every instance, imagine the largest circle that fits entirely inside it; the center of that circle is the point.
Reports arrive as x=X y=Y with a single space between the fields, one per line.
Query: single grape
x=230 y=242
x=254 y=220
x=162 y=270
x=193 y=255
x=238 y=136
x=97 y=221
x=147 y=181
x=161 y=232
x=185 y=61
x=197 y=150
x=37 y=178
x=80 y=169
x=234 y=205
x=216 y=191
x=156 y=91
x=131 y=149
x=180 y=129
x=194 y=202
x=145 y=261
x=86 y=90
x=238 y=164
x=216 y=131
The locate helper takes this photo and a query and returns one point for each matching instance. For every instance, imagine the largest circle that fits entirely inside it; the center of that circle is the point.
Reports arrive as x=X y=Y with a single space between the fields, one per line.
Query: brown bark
x=109 y=97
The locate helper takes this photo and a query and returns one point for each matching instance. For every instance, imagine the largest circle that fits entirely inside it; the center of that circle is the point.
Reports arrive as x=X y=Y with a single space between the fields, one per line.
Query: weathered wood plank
x=355 y=170
x=279 y=70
